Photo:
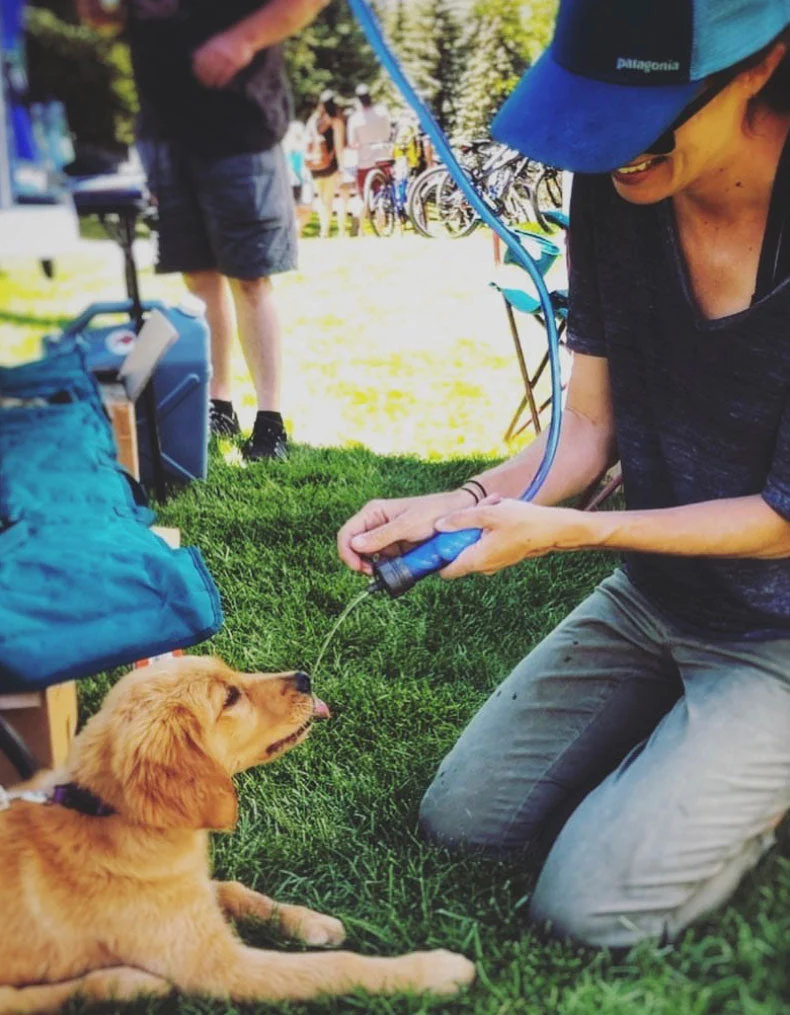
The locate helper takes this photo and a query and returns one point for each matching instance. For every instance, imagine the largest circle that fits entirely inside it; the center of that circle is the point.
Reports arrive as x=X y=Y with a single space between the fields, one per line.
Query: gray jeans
x=663 y=758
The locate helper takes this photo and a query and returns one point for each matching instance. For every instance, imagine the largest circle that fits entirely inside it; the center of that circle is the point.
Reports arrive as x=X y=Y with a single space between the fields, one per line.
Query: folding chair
x=545 y=253
x=556 y=217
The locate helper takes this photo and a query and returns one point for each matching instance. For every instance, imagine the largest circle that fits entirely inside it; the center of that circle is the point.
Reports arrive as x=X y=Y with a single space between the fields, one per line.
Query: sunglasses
x=666 y=142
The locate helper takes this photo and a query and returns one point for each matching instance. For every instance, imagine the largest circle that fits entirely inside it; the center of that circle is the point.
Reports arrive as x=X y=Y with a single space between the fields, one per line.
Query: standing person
x=325 y=146
x=644 y=743
x=369 y=130
x=214 y=107
x=299 y=174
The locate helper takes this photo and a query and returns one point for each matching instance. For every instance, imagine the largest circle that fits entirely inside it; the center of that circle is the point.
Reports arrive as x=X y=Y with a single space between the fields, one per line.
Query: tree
x=538 y=18
x=90 y=74
x=392 y=19
x=432 y=54
x=333 y=53
x=499 y=47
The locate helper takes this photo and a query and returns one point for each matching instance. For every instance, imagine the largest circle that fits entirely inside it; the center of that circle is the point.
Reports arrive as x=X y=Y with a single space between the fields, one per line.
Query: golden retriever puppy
x=105 y=888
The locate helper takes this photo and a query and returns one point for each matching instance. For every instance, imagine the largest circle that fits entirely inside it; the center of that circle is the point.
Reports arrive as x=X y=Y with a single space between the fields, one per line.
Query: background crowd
x=332 y=154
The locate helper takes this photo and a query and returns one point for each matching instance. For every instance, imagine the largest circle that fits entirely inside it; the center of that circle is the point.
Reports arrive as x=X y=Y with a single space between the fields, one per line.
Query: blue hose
x=399 y=574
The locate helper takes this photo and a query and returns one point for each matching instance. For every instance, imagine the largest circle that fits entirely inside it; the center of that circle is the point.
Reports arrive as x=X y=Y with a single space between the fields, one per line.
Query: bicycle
x=439 y=207
x=423 y=206
x=385 y=198
x=545 y=196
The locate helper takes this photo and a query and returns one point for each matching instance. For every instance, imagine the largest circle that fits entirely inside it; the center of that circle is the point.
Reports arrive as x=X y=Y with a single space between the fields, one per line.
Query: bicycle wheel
x=422 y=203
x=547 y=194
x=383 y=213
x=516 y=194
x=517 y=203
x=456 y=215
x=375 y=181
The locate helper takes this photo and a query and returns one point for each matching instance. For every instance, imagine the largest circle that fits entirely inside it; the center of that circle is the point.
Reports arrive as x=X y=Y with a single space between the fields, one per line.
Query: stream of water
x=352 y=605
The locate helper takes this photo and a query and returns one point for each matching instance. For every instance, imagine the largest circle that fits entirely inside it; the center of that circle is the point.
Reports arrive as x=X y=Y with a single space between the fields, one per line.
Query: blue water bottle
x=396 y=575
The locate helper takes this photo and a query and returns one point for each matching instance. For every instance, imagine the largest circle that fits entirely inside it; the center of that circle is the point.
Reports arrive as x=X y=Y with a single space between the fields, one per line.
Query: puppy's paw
x=442 y=972
x=322 y=931
x=313 y=928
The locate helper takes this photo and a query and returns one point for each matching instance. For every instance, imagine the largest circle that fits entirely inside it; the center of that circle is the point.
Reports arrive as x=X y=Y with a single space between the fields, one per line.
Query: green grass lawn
x=396 y=346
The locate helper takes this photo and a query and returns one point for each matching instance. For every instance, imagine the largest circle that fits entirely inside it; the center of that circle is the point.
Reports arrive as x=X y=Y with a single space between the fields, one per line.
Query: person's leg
x=355 y=210
x=183 y=245
x=362 y=175
x=212 y=288
x=668 y=836
x=342 y=209
x=248 y=206
x=325 y=192
x=304 y=212
x=563 y=719
x=261 y=337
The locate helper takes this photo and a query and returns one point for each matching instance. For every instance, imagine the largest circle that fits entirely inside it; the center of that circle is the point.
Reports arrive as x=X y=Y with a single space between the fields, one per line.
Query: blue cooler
x=181 y=381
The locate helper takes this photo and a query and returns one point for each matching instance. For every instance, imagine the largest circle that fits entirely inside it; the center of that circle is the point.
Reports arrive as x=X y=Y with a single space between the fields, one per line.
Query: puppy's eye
x=232 y=697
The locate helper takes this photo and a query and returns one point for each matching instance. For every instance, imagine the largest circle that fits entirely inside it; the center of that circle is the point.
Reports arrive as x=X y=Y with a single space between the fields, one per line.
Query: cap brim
x=562 y=119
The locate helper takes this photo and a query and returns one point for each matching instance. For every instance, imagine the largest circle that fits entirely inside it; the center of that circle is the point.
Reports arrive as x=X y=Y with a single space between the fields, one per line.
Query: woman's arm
x=586 y=448
x=587 y=441
x=736 y=527
x=739 y=527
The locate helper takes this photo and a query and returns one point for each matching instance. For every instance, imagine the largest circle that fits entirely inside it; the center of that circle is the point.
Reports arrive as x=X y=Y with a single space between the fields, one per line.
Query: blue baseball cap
x=618 y=73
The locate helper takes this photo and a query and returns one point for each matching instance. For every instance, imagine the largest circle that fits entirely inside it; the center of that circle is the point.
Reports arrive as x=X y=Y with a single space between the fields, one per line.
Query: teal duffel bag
x=75 y=600
x=84 y=583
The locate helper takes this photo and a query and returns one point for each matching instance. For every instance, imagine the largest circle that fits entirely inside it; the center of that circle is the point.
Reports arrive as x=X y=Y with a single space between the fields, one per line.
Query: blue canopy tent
x=37 y=215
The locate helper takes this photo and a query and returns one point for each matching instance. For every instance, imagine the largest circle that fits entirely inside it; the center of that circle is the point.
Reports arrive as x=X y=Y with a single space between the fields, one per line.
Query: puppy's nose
x=302 y=683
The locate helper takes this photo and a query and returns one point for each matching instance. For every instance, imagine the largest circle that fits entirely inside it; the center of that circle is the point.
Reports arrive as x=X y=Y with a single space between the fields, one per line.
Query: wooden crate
x=46 y=720
x=124 y=424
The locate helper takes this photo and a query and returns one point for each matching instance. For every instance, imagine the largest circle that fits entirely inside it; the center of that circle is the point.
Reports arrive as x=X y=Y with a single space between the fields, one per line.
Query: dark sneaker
x=221 y=422
x=267 y=440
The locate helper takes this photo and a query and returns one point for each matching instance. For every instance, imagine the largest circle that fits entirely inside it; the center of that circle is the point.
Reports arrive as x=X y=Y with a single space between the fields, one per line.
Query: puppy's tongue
x=320 y=709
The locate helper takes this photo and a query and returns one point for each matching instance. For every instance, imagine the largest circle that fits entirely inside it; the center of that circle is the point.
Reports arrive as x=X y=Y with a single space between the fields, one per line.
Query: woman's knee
x=452 y=819
x=437 y=819
x=562 y=911
x=595 y=890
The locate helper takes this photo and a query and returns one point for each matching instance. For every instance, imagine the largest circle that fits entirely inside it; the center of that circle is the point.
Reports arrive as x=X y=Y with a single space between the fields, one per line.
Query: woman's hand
x=512 y=531
x=391 y=527
x=220 y=58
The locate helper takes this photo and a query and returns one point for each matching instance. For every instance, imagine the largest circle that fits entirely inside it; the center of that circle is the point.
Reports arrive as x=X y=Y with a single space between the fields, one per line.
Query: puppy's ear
x=169 y=780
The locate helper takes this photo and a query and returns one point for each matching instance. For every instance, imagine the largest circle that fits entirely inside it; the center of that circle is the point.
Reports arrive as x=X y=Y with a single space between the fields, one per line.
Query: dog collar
x=77 y=798
x=68 y=794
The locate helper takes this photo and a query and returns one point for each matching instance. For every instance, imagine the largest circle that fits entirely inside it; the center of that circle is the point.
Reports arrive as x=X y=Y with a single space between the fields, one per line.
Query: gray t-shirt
x=702 y=408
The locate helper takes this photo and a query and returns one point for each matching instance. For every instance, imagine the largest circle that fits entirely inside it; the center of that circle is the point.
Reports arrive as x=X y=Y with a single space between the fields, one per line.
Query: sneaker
x=221 y=422
x=267 y=440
